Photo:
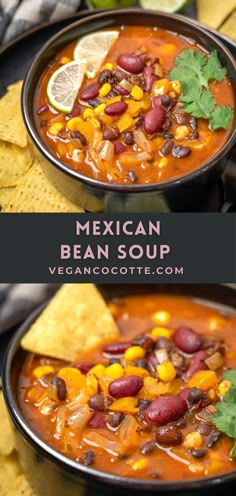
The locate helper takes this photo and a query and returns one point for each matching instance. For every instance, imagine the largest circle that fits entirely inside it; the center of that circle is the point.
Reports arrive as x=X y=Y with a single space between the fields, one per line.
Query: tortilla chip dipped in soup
x=134 y=105
x=157 y=402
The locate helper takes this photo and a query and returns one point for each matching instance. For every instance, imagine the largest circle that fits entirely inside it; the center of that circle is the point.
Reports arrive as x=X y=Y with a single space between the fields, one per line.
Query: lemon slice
x=94 y=48
x=169 y=6
x=64 y=85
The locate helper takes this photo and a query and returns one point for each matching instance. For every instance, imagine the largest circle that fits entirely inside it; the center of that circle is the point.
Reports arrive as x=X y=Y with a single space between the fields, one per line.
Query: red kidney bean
x=165 y=409
x=187 y=340
x=154 y=119
x=97 y=421
x=131 y=63
x=181 y=118
x=76 y=111
x=119 y=147
x=156 y=101
x=121 y=90
x=84 y=367
x=116 y=348
x=197 y=363
x=149 y=77
x=184 y=393
x=126 y=386
x=42 y=109
x=115 y=420
x=90 y=92
x=119 y=74
x=105 y=76
x=168 y=435
x=152 y=360
x=116 y=108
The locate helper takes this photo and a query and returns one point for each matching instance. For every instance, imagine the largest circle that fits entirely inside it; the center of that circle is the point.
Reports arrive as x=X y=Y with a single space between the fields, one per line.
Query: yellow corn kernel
x=100 y=109
x=197 y=468
x=212 y=394
x=125 y=122
x=55 y=128
x=141 y=464
x=105 y=89
x=65 y=60
x=193 y=440
x=163 y=162
x=95 y=123
x=115 y=371
x=204 y=379
x=161 y=87
x=161 y=317
x=166 y=371
x=126 y=405
x=181 y=132
x=137 y=92
x=156 y=332
x=42 y=370
x=131 y=370
x=224 y=387
x=134 y=353
x=176 y=87
x=91 y=384
x=108 y=66
x=98 y=370
x=73 y=123
x=88 y=113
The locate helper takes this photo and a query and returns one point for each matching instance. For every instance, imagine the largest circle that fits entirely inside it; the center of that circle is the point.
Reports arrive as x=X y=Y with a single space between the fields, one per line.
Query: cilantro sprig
x=195 y=71
x=225 y=416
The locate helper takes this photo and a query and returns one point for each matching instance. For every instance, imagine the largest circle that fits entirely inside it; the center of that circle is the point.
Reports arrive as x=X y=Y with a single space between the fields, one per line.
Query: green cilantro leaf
x=220 y=118
x=195 y=70
x=225 y=416
x=201 y=106
x=213 y=69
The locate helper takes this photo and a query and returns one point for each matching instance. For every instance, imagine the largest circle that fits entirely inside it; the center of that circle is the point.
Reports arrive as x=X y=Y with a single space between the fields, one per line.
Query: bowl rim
x=117 y=187
x=68 y=463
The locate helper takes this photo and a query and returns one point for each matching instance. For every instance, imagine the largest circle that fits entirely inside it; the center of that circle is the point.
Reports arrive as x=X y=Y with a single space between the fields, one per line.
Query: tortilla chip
x=5 y=196
x=75 y=319
x=18 y=487
x=6 y=437
x=213 y=13
x=14 y=163
x=9 y=470
x=36 y=194
x=229 y=26
x=12 y=128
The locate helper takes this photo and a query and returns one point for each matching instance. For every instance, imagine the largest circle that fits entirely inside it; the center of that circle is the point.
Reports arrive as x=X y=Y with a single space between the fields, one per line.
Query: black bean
x=78 y=136
x=99 y=403
x=148 y=448
x=132 y=175
x=144 y=341
x=194 y=135
x=166 y=124
x=105 y=76
x=177 y=360
x=141 y=362
x=193 y=123
x=128 y=138
x=94 y=103
x=60 y=385
x=181 y=151
x=168 y=135
x=114 y=360
x=166 y=148
x=181 y=118
x=115 y=420
x=143 y=404
x=204 y=428
x=198 y=453
x=119 y=74
x=111 y=133
x=168 y=435
x=139 y=123
x=194 y=396
x=213 y=438
x=89 y=458
x=181 y=422
x=165 y=100
x=163 y=342
x=112 y=94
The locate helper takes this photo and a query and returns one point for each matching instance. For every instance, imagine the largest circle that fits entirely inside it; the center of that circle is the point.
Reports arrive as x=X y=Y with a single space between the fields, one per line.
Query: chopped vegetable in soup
x=156 y=403
x=134 y=105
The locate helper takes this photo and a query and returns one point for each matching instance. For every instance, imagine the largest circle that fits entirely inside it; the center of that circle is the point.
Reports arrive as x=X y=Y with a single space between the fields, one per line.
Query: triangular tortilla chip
x=14 y=163
x=213 y=13
x=229 y=26
x=76 y=319
x=6 y=196
x=6 y=437
x=12 y=128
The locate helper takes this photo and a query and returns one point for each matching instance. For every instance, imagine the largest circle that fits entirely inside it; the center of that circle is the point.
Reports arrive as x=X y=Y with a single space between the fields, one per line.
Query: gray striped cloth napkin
x=18 y=16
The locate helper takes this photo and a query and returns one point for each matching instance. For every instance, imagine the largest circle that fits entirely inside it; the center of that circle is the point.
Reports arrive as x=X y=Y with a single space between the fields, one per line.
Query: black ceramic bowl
x=179 y=194
x=51 y=473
